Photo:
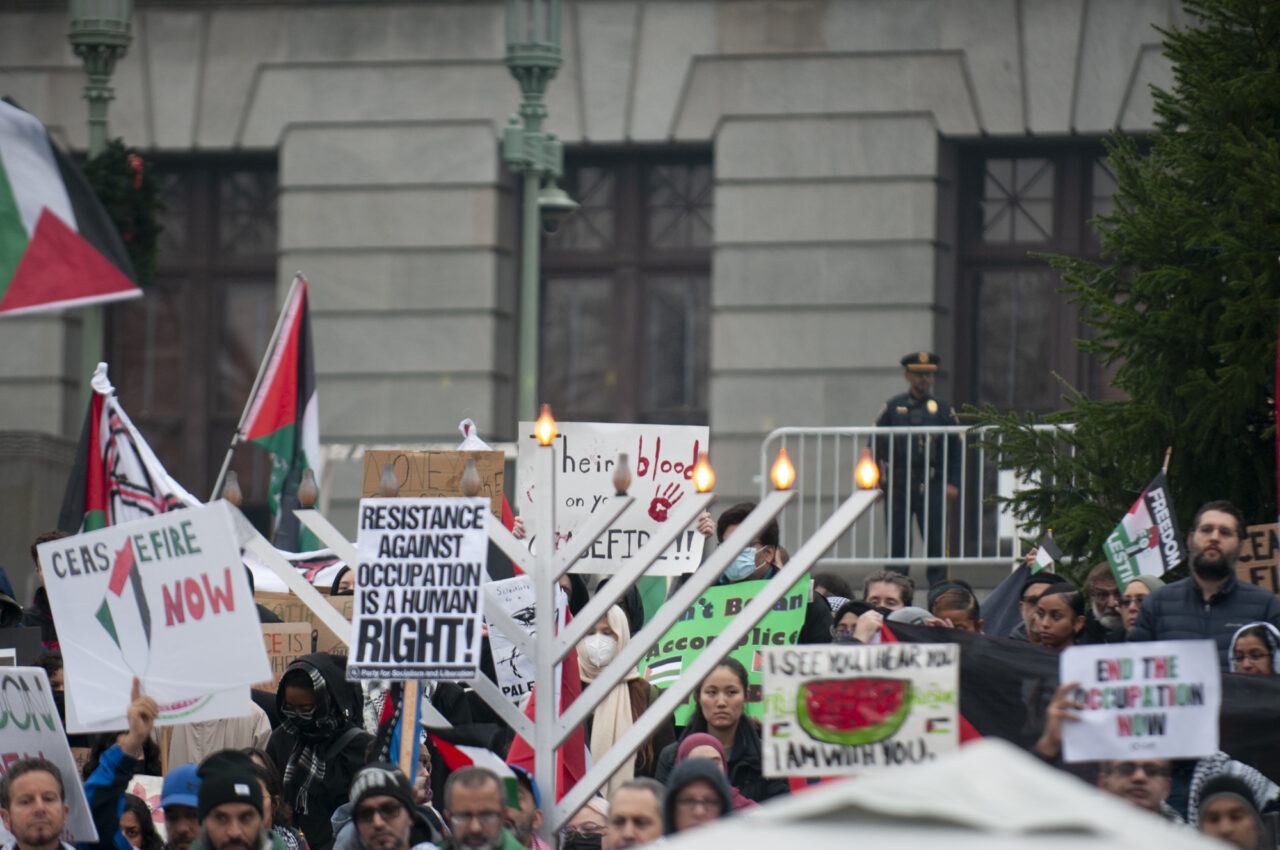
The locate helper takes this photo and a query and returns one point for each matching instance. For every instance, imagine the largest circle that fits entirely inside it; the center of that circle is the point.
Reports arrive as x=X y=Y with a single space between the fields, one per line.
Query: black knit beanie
x=228 y=777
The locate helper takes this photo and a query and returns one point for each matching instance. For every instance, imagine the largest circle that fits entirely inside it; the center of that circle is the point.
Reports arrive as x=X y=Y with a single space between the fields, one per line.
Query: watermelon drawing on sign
x=853 y=711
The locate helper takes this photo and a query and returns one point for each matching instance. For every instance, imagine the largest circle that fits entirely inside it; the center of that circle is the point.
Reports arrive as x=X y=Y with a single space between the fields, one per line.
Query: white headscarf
x=612 y=717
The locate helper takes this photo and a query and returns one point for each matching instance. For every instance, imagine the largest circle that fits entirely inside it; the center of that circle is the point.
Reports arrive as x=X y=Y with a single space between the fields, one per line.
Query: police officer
x=928 y=469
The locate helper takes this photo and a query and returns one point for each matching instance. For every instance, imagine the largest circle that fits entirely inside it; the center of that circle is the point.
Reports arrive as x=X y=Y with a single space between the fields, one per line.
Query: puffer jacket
x=1179 y=611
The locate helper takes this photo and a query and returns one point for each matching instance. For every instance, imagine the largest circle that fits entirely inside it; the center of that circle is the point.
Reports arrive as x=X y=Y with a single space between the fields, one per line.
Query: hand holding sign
x=144 y=599
x=1059 y=711
x=142 y=714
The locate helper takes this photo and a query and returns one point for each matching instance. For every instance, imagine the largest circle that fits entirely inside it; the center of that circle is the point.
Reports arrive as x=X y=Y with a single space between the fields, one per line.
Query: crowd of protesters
x=309 y=769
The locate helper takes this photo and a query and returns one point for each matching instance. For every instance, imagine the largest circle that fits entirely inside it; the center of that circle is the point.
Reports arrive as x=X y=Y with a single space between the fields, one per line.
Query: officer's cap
x=921 y=361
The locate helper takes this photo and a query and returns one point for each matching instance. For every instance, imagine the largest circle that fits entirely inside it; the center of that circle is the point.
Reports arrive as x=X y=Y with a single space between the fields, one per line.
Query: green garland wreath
x=128 y=189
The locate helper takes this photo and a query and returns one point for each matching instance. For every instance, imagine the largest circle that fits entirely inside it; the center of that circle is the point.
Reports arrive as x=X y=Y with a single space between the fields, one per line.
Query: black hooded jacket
x=746 y=761
x=343 y=750
x=691 y=770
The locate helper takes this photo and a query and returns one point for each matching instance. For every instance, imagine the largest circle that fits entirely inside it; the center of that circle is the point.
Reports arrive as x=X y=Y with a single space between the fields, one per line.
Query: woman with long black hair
x=721 y=697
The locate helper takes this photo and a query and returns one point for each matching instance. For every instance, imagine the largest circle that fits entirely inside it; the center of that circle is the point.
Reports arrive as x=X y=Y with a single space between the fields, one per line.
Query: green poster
x=707 y=618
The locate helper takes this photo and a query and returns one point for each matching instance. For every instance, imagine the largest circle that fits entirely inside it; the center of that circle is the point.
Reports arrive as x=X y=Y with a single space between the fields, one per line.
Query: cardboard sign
x=661 y=458
x=30 y=727
x=1156 y=699
x=435 y=473
x=285 y=643
x=147 y=598
x=700 y=625
x=291 y=609
x=1259 y=555
x=840 y=709
x=418 y=611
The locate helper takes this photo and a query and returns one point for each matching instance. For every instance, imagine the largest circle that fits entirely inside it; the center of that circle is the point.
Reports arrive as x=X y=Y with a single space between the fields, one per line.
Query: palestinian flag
x=457 y=756
x=1047 y=553
x=116 y=477
x=58 y=246
x=124 y=613
x=281 y=417
x=1147 y=541
x=571 y=757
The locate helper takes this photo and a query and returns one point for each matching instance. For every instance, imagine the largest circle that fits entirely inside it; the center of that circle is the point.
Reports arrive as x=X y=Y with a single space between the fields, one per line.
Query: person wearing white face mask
x=627 y=701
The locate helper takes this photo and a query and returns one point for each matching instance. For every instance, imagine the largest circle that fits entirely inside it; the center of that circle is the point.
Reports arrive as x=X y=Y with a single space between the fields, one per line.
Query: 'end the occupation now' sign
x=1152 y=699
x=418 y=596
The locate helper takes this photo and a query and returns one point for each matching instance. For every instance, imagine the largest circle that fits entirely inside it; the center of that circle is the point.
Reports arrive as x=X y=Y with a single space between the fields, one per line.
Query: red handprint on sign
x=663 y=499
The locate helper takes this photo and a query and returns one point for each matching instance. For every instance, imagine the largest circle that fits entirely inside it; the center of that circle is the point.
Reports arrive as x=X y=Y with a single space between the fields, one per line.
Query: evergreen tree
x=1185 y=303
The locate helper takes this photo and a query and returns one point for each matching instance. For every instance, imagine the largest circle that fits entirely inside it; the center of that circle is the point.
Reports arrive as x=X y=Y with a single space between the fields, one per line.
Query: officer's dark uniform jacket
x=929 y=411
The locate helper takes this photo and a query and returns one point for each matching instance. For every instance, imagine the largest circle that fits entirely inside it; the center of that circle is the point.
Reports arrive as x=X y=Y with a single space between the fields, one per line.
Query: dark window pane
x=1018 y=339
x=247 y=212
x=675 y=345
x=579 y=372
x=591 y=228
x=148 y=355
x=248 y=317
x=1017 y=200
x=679 y=200
x=175 y=194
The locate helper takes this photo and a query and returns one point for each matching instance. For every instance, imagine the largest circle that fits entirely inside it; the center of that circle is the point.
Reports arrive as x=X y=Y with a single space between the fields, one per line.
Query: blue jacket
x=104 y=790
x=1178 y=611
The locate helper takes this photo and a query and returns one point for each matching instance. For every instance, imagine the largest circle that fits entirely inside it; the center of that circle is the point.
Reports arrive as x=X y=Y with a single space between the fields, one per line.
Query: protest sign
x=435 y=473
x=285 y=643
x=841 y=709
x=1156 y=699
x=235 y=702
x=1259 y=555
x=291 y=609
x=515 y=671
x=661 y=458
x=147 y=598
x=29 y=728
x=148 y=789
x=685 y=640
x=418 y=604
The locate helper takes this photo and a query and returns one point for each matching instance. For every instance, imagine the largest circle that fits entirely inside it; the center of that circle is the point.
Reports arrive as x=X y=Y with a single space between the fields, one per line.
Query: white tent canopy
x=989 y=795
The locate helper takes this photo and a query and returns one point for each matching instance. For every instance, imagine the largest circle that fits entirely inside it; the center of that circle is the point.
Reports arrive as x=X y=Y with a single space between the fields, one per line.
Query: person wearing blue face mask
x=761 y=560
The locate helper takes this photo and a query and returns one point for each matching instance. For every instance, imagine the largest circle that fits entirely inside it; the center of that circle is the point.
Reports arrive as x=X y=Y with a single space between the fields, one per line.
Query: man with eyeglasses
x=473 y=807
x=1211 y=602
x=1102 y=622
x=1144 y=782
x=383 y=811
x=697 y=793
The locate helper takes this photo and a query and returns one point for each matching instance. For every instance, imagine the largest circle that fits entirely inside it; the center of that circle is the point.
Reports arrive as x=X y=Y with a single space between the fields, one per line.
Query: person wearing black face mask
x=1211 y=602
x=318 y=747
x=856 y=622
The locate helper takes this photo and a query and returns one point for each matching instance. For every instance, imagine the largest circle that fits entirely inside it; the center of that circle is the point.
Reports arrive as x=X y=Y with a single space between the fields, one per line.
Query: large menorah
x=551 y=643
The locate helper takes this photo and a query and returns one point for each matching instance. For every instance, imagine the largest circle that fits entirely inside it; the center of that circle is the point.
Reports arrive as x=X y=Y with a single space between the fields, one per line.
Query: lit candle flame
x=545 y=428
x=867 y=472
x=783 y=473
x=704 y=477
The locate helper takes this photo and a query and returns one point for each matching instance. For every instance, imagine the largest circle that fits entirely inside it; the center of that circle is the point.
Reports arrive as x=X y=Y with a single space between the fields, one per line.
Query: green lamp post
x=533 y=57
x=100 y=35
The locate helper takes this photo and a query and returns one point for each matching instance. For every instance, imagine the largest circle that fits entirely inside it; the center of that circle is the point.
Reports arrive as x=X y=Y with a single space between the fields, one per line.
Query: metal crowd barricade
x=975 y=532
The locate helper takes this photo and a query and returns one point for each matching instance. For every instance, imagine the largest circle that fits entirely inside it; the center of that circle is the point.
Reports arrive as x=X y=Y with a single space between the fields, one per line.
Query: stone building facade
x=837 y=182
